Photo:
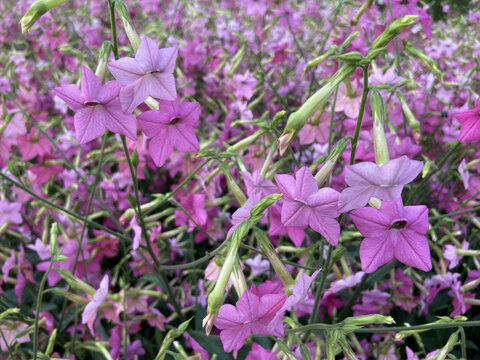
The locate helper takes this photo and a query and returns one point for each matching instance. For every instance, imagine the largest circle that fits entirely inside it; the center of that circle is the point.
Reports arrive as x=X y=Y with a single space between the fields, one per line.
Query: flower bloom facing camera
x=393 y=231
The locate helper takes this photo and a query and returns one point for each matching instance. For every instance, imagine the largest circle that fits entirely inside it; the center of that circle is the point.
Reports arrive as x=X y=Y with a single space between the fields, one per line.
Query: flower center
x=174 y=120
x=91 y=103
x=398 y=225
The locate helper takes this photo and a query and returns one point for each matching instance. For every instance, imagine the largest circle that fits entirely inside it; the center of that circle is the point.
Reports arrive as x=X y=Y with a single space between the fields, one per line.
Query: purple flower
x=150 y=73
x=394 y=231
x=306 y=205
x=97 y=108
x=385 y=182
x=90 y=312
x=170 y=127
x=470 y=120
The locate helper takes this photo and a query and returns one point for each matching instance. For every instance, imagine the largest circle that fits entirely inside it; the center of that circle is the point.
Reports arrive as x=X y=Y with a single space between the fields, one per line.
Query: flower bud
x=379 y=139
x=320 y=59
x=275 y=261
x=35 y=11
x=127 y=24
x=103 y=60
x=391 y=32
x=412 y=121
x=332 y=159
x=297 y=120
x=356 y=321
x=263 y=204
x=51 y=342
x=232 y=185
x=353 y=57
x=53 y=239
x=75 y=282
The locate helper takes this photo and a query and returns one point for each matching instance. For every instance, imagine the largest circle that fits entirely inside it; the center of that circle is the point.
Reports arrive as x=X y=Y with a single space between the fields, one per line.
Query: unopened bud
x=332 y=159
x=391 y=32
x=53 y=239
x=353 y=57
x=103 y=60
x=412 y=121
x=351 y=323
x=35 y=11
x=127 y=24
x=379 y=139
x=264 y=204
x=297 y=120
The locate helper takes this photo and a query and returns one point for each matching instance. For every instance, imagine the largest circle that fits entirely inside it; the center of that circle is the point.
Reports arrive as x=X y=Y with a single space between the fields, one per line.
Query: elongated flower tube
x=332 y=159
x=297 y=120
x=380 y=146
x=127 y=24
x=412 y=121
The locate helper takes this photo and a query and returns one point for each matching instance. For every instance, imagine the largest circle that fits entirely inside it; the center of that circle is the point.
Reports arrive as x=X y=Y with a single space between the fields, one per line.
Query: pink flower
x=306 y=205
x=172 y=126
x=394 y=231
x=10 y=212
x=194 y=204
x=470 y=124
x=90 y=312
x=97 y=108
x=348 y=102
x=150 y=73
x=255 y=183
x=450 y=254
x=385 y=182
x=252 y=315
x=259 y=353
x=10 y=329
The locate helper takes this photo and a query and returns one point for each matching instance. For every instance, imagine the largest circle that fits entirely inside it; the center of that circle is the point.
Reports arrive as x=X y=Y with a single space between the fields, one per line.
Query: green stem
x=360 y=114
x=332 y=115
x=113 y=27
x=39 y=304
x=463 y=343
x=455 y=213
x=66 y=211
x=459 y=324
x=319 y=292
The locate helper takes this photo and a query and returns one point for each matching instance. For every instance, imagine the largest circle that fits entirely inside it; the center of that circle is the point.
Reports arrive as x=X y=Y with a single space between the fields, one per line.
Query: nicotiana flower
x=90 y=313
x=394 y=231
x=385 y=182
x=172 y=126
x=306 y=205
x=470 y=124
x=150 y=73
x=97 y=107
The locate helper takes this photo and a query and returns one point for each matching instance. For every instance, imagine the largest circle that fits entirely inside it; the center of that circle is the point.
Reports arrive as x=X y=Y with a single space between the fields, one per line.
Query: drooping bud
x=232 y=185
x=127 y=24
x=332 y=159
x=53 y=239
x=274 y=259
x=35 y=11
x=351 y=324
x=412 y=121
x=297 y=120
x=379 y=139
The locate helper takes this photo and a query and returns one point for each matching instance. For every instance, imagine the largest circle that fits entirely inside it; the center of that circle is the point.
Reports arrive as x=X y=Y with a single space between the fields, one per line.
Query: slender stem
x=319 y=292
x=39 y=304
x=332 y=116
x=463 y=343
x=113 y=28
x=66 y=211
x=460 y=324
x=6 y=343
x=454 y=213
x=360 y=114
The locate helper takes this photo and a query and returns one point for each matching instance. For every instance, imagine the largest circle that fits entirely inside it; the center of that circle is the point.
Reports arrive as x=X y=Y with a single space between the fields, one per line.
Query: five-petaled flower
x=394 y=231
x=470 y=124
x=306 y=205
x=150 y=73
x=170 y=127
x=97 y=108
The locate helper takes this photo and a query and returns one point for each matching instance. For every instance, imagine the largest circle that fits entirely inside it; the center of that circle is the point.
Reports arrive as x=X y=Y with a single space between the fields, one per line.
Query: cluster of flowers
x=136 y=228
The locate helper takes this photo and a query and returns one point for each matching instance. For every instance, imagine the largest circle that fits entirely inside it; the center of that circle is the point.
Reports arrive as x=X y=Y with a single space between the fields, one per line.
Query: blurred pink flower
x=470 y=124
x=90 y=313
x=10 y=329
x=10 y=212
x=150 y=73
x=394 y=231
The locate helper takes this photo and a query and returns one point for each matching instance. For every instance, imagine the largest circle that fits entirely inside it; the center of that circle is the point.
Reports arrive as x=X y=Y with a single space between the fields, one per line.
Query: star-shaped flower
x=97 y=108
x=170 y=127
x=394 y=231
x=306 y=205
x=385 y=182
x=150 y=73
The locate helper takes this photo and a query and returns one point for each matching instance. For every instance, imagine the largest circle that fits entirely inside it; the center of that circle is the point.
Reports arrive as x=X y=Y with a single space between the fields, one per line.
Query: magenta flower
x=10 y=212
x=172 y=126
x=252 y=315
x=150 y=73
x=306 y=205
x=394 y=231
x=385 y=182
x=470 y=124
x=97 y=108
x=90 y=313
